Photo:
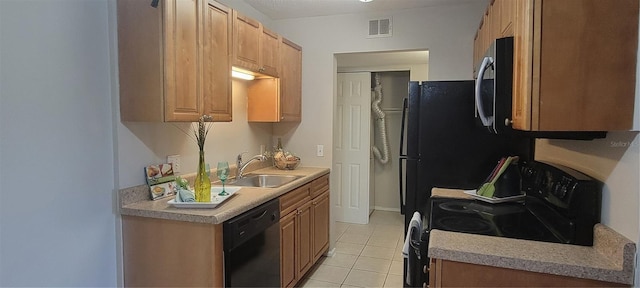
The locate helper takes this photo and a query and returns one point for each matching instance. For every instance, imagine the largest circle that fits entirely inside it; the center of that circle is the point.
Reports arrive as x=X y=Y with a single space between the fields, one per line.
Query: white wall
x=446 y=31
x=394 y=90
x=142 y=144
x=57 y=221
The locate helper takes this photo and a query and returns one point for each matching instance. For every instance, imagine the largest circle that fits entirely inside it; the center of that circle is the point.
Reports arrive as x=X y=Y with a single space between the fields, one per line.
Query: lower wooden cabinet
x=320 y=216
x=170 y=253
x=288 y=250
x=304 y=229
x=445 y=273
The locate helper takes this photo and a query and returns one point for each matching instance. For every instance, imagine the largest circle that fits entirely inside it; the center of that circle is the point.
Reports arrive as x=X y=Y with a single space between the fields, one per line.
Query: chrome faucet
x=240 y=166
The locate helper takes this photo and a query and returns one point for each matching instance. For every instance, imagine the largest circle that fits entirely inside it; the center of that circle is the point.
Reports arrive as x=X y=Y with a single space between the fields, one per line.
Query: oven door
x=416 y=270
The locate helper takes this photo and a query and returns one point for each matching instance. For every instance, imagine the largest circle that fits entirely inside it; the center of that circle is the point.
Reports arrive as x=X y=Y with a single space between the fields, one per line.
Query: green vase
x=202 y=184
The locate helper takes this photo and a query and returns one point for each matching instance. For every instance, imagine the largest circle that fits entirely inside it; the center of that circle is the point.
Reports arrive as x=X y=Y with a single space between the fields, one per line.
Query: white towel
x=416 y=222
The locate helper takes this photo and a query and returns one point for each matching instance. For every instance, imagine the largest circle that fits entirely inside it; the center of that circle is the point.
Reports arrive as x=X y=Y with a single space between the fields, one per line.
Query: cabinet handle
x=425 y=269
x=281 y=117
x=507 y=121
x=425 y=285
x=261 y=69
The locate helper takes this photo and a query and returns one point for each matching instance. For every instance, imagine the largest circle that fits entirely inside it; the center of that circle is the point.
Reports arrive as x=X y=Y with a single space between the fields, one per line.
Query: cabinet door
x=447 y=274
x=291 y=81
x=216 y=64
x=288 y=247
x=507 y=17
x=246 y=43
x=587 y=64
x=304 y=230
x=320 y=225
x=182 y=37
x=522 y=65
x=269 y=52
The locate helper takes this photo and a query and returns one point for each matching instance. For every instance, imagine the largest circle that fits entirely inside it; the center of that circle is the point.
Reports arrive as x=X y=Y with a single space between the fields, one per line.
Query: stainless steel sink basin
x=263 y=180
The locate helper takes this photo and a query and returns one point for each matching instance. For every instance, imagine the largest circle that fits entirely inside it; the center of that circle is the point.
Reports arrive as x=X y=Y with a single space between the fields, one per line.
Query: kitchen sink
x=263 y=180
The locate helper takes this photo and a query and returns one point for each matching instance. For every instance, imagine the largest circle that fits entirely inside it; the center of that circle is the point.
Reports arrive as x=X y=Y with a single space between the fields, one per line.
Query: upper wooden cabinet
x=574 y=61
x=255 y=48
x=278 y=99
x=291 y=94
x=575 y=65
x=507 y=17
x=174 y=60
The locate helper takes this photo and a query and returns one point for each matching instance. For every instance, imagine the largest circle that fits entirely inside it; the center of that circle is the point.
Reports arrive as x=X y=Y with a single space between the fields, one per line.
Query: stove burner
x=465 y=224
x=456 y=206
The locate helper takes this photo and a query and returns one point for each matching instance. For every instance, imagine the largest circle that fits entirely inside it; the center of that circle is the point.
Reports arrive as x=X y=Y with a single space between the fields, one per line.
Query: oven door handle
x=415 y=243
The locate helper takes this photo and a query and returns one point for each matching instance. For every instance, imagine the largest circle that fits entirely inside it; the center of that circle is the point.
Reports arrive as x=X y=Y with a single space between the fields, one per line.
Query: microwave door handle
x=486 y=63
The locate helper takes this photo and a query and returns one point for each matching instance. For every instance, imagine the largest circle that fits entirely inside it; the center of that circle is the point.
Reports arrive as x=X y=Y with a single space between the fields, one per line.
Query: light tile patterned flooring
x=365 y=256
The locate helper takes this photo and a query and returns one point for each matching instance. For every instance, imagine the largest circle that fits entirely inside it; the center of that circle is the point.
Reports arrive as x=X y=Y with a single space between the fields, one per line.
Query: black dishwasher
x=252 y=247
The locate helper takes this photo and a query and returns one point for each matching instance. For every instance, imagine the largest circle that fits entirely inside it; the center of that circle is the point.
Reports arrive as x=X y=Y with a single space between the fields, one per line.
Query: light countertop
x=610 y=259
x=135 y=201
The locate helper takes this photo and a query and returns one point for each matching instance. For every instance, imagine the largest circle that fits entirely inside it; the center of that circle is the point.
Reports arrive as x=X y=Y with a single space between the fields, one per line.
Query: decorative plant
x=202 y=185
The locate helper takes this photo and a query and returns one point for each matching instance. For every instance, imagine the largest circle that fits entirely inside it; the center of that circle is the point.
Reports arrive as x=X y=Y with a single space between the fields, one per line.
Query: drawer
x=295 y=198
x=320 y=185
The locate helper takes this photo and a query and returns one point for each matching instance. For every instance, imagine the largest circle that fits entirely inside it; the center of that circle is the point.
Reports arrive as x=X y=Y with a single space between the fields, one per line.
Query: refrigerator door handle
x=403 y=121
x=403 y=154
x=400 y=178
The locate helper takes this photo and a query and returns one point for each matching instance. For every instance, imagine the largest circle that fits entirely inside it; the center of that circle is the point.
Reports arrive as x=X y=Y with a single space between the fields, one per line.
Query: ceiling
x=285 y=9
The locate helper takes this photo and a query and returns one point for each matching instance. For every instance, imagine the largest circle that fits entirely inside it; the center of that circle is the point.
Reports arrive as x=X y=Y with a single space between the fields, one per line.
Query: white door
x=352 y=147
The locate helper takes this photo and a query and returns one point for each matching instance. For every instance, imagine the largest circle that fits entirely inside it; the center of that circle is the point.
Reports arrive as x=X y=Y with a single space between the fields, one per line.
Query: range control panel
x=558 y=185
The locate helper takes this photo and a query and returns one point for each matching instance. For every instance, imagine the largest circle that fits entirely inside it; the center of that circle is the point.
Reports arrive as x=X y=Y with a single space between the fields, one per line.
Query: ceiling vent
x=380 y=28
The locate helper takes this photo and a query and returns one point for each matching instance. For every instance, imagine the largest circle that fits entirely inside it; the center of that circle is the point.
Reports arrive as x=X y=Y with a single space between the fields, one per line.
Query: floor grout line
x=382 y=218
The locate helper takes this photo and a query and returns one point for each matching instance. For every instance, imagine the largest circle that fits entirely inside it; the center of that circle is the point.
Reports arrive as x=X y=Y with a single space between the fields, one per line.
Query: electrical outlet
x=175 y=159
x=320 y=151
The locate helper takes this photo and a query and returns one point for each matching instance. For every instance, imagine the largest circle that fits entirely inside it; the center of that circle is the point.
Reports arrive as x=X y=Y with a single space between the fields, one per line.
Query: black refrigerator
x=442 y=145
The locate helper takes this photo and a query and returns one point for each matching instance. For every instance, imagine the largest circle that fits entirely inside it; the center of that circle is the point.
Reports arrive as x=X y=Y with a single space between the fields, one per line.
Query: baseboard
x=331 y=252
x=386 y=209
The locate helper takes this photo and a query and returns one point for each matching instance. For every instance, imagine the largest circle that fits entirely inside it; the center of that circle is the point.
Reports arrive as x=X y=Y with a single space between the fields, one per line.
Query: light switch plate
x=320 y=151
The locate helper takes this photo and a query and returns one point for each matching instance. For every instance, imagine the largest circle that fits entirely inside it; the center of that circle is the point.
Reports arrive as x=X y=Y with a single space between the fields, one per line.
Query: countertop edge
x=134 y=201
x=613 y=273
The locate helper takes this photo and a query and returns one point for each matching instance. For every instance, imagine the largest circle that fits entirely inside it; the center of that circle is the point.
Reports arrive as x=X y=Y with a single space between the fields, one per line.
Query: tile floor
x=365 y=256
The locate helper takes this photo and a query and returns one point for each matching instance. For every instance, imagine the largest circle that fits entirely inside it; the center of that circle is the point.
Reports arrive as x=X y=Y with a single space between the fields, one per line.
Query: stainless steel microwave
x=494 y=85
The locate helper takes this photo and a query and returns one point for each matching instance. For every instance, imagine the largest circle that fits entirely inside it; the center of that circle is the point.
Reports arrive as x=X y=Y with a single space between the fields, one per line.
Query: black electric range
x=561 y=206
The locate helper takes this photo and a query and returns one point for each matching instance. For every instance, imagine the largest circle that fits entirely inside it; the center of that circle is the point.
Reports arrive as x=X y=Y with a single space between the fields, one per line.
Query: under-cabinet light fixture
x=365 y=1
x=241 y=74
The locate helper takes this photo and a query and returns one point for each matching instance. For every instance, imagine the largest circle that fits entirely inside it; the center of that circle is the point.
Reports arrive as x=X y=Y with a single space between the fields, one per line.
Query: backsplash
x=613 y=160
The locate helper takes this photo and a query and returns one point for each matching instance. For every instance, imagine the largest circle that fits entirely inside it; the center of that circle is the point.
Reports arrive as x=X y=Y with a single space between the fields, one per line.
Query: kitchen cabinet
x=161 y=253
x=304 y=229
x=174 y=60
x=574 y=65
x=278 y=99
x=574 y=62
x=320 y=213
x=444 y=273
x=255 y=47
x=291 y=97
x=506 y=16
